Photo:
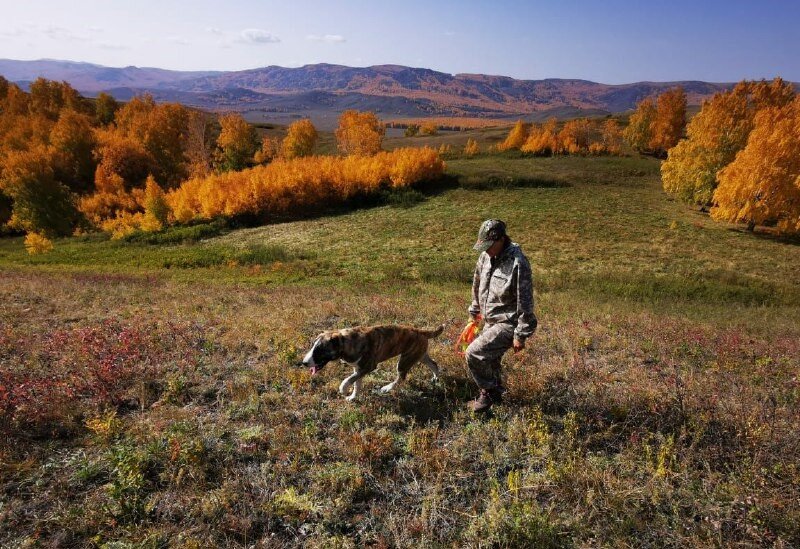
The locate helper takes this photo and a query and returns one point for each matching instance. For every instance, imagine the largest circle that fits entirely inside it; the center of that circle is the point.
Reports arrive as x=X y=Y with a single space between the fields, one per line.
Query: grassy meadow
x=658 y=405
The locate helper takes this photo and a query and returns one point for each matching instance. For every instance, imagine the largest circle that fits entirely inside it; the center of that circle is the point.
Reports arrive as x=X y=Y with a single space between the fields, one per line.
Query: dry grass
x=656 y=406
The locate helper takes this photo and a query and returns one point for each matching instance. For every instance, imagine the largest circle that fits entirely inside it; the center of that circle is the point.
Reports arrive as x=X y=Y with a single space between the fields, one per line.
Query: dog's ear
x=336 y=342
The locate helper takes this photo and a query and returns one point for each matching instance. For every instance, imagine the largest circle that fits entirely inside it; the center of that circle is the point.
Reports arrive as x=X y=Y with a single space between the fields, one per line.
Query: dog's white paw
x=387 y=388
x=344 y=386
x=435 y=379
x=352 y=397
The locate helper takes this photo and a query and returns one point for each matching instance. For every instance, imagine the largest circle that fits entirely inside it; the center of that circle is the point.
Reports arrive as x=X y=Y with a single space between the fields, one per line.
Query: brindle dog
x=364 y=348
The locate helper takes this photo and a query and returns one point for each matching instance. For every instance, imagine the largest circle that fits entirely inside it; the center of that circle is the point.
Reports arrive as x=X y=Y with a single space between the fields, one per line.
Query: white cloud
x=179 y=40
x=214 y=30
x=110 y=46
x=60 y=33
x=11 y=32
x=257 y=36
x=330 y=38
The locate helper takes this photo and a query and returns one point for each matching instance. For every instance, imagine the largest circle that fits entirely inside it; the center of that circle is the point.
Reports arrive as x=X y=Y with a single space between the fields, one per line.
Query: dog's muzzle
x=308 y=362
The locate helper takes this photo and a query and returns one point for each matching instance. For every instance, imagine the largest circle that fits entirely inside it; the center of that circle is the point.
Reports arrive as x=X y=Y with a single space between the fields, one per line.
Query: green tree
x=411 y=130
x=105 y=108
x=40 y=203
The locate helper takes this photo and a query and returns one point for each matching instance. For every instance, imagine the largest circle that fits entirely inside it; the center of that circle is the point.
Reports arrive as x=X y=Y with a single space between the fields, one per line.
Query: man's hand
x=518 y=345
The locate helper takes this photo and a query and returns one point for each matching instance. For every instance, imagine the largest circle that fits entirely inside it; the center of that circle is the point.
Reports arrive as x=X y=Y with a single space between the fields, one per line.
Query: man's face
x=496 y=248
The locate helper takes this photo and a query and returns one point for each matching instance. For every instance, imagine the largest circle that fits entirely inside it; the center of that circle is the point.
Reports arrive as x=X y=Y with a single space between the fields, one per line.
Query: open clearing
x=657 y=405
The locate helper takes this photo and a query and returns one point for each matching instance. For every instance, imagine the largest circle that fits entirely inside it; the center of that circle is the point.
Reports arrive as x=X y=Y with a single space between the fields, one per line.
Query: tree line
x=740 y=158
x=70 y=164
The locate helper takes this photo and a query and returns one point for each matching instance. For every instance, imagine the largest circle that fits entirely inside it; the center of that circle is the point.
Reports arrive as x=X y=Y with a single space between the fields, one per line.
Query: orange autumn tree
x=359 y=133
x=48 y=98
x=287 y=186
x=543 y=140
x=149 y=212
x=73 y=142
x=471 y=148
x=516 y=137
x=300 y=140
x=715 y=135
x=45 y=156
x=762 y=184
x=269 y=151
x=669 y=122
x=161 y=129
x=574 y=136
x=237 y=143
x=199 y=145
x=610 y=138
x=123 y=169
x=41 y=203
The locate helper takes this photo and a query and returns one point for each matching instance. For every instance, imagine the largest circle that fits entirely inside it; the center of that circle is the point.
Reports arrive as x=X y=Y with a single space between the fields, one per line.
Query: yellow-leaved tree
x=429 y=128
x=762 y=184
x=41 y=204
x=516 y=137
x=359 y=133
x=639 y=132
x=300 y=140
x=156 y=210
x=543 y=140
x=715 y=135
x=471 y=148
x=237 y=143
x=574 y=136
x=73 y=142
x=161 y=130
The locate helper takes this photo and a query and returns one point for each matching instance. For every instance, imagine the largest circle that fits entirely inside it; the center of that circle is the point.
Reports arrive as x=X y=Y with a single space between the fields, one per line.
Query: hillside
x=656 y=406
x=391 y=90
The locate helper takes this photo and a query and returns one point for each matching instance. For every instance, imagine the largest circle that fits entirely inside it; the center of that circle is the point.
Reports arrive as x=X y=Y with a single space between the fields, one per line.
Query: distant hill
x=391 y=90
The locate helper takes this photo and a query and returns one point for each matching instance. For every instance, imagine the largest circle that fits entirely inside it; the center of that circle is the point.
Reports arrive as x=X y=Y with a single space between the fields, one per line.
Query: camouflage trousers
x=483 y=355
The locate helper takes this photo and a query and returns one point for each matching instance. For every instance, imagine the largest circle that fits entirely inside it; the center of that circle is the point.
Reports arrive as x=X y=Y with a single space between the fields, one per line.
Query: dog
x=364 y=348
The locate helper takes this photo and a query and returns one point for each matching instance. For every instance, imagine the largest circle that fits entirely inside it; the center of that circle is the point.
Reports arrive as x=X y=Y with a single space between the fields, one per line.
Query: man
x=502 y=292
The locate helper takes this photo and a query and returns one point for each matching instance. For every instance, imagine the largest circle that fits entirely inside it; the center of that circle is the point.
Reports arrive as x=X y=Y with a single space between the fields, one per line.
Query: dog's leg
x=431 y=364
x=344 y=387
x=403 y=366
x=354 y=394
x=390 y=386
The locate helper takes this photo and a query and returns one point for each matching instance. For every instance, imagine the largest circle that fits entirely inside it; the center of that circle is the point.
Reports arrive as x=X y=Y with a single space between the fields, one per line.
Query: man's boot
x=482 y=403
x=497 y=394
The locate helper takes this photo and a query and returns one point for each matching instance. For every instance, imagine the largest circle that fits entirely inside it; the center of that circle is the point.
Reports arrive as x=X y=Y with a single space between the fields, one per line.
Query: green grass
x=656 y=405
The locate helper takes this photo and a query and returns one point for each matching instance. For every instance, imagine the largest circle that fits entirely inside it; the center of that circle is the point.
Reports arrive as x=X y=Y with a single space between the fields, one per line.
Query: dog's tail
x=430 y=334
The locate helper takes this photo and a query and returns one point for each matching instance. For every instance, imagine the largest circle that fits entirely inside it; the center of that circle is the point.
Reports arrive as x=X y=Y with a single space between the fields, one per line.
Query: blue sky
x=611 y=41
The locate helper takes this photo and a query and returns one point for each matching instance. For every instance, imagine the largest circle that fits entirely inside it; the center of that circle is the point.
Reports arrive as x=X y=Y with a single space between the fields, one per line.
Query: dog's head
x=327 y=347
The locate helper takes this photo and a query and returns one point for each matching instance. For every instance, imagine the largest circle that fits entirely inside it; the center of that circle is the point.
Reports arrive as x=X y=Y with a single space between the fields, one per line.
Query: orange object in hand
x=468 y=335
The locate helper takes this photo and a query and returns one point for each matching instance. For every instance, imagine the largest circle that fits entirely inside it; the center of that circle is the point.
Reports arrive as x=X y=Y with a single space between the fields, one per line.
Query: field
x=658 y=404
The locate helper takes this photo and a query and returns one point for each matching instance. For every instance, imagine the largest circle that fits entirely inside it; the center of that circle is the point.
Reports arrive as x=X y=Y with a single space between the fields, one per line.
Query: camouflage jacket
x=502 y=291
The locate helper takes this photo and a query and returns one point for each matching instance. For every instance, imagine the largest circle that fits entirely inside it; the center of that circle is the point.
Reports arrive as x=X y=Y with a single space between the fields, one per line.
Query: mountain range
x=391 y=90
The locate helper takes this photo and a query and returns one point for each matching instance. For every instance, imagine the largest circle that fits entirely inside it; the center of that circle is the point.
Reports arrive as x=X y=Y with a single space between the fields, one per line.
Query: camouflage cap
x=490 y=232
